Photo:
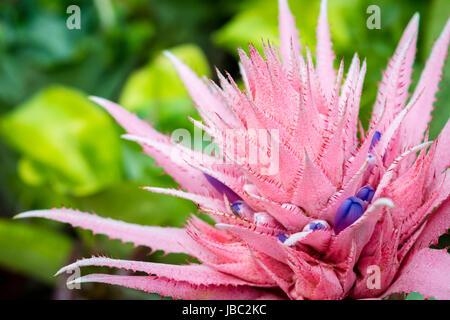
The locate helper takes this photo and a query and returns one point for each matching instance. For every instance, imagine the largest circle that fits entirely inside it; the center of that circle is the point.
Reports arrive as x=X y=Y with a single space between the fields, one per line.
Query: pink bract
x=263 y=245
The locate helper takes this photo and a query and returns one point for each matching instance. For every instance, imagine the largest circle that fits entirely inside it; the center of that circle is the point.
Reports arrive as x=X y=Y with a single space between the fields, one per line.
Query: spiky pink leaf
x=324 y=53
x=158 y=238
x=193 y=274
x=417 y=119
x=179 y=290
x=288 y=32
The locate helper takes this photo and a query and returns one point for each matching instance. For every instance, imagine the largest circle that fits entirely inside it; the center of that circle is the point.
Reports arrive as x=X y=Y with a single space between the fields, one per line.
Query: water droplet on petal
x=348 y=212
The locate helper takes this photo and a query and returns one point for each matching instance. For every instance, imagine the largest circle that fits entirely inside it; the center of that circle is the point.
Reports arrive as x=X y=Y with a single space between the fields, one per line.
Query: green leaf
x=156 y=93
x=415 y=296
x=33 y=250
x=47 y=42
x=396 y=296
x=65 y=141
x=403 y=296
x=443 y=242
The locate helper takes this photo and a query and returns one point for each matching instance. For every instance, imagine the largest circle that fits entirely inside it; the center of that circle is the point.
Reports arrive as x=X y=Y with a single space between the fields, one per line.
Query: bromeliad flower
x=337 y=212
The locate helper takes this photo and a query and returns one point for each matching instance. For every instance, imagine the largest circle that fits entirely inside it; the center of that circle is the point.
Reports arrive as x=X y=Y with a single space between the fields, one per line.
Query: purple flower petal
x=366 y=193
x=282 y=237
x=348 y=212
x=376 y=137
x=219 y=186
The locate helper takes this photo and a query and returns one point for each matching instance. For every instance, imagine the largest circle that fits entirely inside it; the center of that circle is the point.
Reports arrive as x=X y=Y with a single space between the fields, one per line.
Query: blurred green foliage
x=57 y=148
x=33 y=249
x=156 y=92
x=71 y=146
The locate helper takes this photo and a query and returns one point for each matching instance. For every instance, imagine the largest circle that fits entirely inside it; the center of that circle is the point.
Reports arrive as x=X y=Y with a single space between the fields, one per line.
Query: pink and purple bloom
x=342 y=206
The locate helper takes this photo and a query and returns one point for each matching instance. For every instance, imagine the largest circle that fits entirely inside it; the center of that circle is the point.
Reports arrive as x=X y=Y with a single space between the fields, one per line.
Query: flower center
x=366 y=193
x=352 y=208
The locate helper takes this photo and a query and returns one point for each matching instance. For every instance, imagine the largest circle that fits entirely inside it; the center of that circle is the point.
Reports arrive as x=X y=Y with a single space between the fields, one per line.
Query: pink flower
x=336 y=216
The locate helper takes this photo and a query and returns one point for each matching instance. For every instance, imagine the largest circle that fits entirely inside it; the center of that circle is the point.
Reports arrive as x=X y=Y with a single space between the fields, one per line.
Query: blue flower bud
x=282 y=237
x=348 y=212
x=366 y=193
x=236 y=207
x=376 y=137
